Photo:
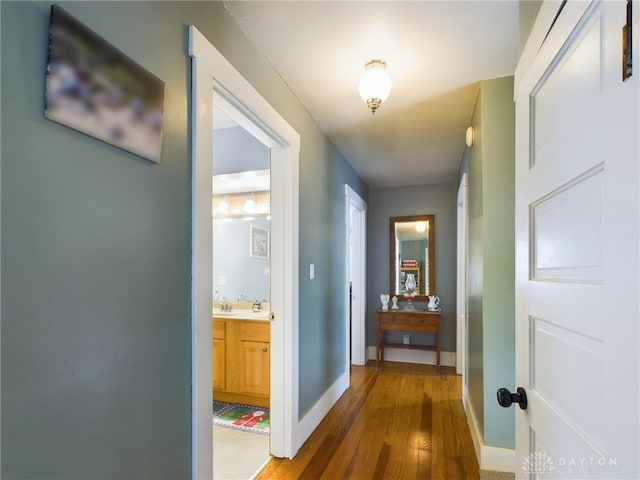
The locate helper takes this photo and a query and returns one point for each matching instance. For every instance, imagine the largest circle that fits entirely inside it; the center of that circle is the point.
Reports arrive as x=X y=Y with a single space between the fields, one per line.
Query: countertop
x=261 y=315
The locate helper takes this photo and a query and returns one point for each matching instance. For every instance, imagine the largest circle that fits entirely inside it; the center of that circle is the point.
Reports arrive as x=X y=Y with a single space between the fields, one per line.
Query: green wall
x=491 y=262
x=475 y=266
x=96 y=347
x=437 y=199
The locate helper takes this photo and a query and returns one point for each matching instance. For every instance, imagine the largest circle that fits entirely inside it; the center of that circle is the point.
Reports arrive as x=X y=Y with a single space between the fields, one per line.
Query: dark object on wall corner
x=627 y=44
x=94 y=88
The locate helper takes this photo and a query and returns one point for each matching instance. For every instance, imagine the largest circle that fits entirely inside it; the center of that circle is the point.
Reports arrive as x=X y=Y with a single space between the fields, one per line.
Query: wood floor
x=400 y=422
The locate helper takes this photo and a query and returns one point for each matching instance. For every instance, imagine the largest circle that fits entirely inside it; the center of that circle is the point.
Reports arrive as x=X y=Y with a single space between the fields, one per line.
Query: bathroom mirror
x=412 y=256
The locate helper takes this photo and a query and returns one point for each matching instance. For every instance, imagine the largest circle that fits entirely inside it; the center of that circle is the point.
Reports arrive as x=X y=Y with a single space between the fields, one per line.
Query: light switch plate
x=312 y=271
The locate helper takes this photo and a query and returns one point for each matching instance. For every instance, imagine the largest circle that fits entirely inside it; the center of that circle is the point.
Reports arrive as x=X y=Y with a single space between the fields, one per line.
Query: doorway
x=216 y=81
x=241 y=281
x=356 y=254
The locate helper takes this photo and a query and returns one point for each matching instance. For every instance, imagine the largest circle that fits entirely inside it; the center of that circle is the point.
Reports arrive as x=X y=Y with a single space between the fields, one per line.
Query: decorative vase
x=394 y=305
x=384 y=298
x=410 y=283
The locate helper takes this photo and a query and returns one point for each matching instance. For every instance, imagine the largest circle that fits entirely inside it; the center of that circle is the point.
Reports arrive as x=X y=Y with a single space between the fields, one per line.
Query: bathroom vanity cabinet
x=241 y=361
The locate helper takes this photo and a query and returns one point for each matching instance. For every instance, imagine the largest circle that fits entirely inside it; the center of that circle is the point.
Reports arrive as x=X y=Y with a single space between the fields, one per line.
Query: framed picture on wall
x=96 y=89
x=258 y=242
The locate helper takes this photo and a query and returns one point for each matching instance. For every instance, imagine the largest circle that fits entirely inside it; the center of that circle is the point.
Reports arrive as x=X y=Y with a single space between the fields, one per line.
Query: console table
x=407 y=321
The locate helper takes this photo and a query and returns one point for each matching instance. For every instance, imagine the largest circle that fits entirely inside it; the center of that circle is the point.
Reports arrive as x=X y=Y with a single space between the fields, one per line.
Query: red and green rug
x=241 y=417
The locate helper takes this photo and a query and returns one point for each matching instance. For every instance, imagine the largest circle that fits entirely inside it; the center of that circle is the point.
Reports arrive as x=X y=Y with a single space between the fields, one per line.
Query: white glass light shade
x=250 y=204
x=469 y=137
x=375 y=83
x=223 y=206
x=421 y=227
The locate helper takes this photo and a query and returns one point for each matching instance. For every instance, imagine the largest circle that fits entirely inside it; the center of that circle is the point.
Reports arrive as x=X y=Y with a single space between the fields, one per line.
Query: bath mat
x=241 y=417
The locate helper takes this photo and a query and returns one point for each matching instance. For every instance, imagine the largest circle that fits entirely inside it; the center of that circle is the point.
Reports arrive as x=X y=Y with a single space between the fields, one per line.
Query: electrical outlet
x=406 y=339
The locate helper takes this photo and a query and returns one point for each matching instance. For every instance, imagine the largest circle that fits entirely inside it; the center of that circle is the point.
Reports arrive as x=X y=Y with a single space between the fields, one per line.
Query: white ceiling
x=251 y=181
x=436 y=52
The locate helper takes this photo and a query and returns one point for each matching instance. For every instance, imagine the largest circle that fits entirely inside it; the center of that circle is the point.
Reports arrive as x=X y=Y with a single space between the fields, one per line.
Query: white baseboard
x=476 y=436
x=498 y=459
x=314 y=416
x=489 y=458
x=402 y=355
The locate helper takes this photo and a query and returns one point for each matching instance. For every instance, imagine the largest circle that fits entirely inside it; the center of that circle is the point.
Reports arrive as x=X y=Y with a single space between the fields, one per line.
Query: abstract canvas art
x=94 y=88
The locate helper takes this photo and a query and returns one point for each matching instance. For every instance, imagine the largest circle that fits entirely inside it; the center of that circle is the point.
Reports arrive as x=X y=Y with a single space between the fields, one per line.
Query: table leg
x=438 y=349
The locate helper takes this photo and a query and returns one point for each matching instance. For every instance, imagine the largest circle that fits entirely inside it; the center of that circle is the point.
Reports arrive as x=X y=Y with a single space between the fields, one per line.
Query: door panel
x=566 y=232
x=557 y=375
x=577 y=251
x=256 y=365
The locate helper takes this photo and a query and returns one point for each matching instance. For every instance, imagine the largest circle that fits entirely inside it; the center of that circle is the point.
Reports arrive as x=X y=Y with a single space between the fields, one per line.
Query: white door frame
x=461 y=297
x=211 y=72
x=355 y=269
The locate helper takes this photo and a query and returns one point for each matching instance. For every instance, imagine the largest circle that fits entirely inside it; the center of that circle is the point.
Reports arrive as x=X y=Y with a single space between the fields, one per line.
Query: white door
x=577 y=261
x=356 y=229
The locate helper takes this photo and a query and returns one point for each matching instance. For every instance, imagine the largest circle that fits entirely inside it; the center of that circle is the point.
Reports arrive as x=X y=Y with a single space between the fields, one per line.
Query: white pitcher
x=433 y=303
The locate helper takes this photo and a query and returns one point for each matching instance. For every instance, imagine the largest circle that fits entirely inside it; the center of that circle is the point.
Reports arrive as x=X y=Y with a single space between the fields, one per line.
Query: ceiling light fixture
x=375 y=84
x=421 y=227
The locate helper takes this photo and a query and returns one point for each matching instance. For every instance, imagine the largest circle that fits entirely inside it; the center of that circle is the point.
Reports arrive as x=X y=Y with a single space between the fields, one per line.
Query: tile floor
x=238 y=455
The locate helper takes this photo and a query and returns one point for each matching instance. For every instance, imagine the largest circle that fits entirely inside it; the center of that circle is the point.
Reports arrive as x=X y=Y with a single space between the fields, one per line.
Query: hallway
x=403 y=421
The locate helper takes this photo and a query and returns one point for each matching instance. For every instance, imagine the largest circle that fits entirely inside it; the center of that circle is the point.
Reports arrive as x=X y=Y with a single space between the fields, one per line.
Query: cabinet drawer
x=219 y=329
x=255 y=331
x=395 y=319
x=423 y=320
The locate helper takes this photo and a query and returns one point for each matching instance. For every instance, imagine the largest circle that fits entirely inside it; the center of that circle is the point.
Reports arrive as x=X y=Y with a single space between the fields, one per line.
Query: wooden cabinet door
x=218 y=366
x=256 y=368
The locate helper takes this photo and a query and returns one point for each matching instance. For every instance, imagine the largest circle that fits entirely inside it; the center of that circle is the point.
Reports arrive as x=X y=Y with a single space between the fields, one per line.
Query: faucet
x=225 y=306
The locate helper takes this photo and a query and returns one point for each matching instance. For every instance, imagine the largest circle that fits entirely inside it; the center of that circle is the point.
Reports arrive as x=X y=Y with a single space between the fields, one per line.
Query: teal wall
x=437 y=199
x=96 y=348
x=491 y=261
x=323 y=173
x=475 y=267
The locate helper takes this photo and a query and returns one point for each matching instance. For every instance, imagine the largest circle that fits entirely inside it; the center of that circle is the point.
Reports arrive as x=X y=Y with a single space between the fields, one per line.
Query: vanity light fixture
x=375 y=84
x=223 y=206
x=421 y=227
x=250 y=204
x=469 y=134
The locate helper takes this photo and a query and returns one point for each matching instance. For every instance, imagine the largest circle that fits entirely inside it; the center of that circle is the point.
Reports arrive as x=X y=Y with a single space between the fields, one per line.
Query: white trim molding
x=489 y=458
x=314 y=416
x=356 y=271
x=217 y=84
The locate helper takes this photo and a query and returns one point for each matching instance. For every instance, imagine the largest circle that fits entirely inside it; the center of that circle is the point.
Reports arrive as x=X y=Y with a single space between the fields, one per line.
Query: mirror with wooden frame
x=412 y=256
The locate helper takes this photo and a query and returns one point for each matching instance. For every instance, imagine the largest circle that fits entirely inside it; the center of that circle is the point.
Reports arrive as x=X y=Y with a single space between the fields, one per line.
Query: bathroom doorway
x=215 y=82
x=241 y=219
